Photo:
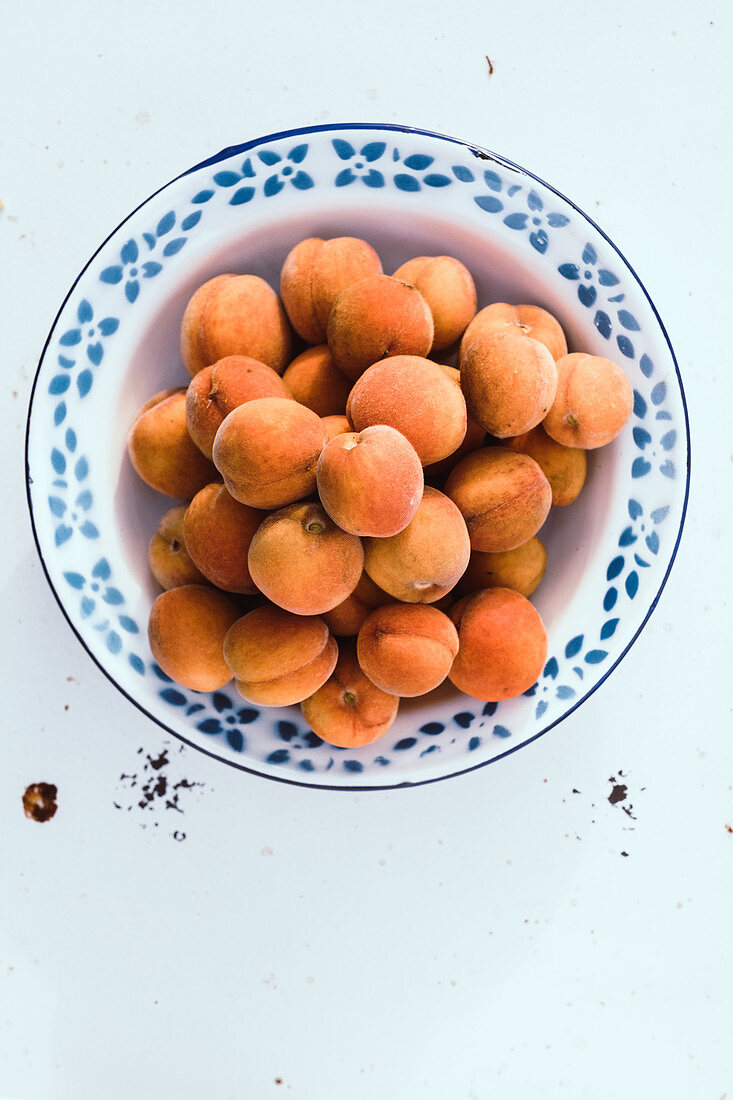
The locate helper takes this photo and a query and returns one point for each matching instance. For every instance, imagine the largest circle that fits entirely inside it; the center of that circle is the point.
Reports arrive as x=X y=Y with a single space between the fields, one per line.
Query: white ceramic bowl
x=409 y=192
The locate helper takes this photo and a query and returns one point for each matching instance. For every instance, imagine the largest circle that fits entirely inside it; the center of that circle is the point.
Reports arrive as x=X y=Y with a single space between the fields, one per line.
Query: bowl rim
x=482 y=153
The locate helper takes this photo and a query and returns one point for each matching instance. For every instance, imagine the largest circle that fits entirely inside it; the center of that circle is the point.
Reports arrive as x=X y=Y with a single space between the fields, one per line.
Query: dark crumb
x=729 y=828
x=618 y=794
x=278 y=1080
x=624 y=853
x=488 y=62
x=39 y=801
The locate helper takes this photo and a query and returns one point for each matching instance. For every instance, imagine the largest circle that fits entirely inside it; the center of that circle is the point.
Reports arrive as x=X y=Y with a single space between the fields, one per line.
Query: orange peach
x=415 y=396
x=315 y=382
x=423 y=562
x=169 y=560
x=376 y=317
x=345 y=619
x=448 y=287
x=161 y=450
x=278 y=658
x=349 y=710
x=594 y=400
x=303 y=562
x=218 y=531
x=504 y=497
x=235 y=315
x=214 y=391
x=564 y=467
x=267 y=451
x=186 y=631
x=370 y=482
x=502 y=645
x=509 y=382
x=532 y=321
x=335 y=425
x=314 y=274
x=521 y=569
x=407 y=649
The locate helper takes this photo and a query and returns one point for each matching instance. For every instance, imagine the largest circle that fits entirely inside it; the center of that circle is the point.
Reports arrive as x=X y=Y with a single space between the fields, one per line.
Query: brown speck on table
x=39 y=801
x=488 y=62
x=729 y=828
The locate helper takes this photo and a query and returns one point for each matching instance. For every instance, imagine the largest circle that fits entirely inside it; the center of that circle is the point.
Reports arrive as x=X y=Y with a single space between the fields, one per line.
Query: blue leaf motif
x=660 y=514
x=432 y=728
x=557 y=221
x=111 y=275
x=150 y=268
x=615 y=567
x=175 y=698
x=541 y=708
x=639 y=405
x=373 y=178
x=516 y=221
x=75 y=580
x=114 y=642
x=539 y=240
x=70 y=438
x=635 y=509
x=85 y=312
x=493 y=180
x=587 y=295
x=136 y=663
x=129 y=252
x=272 y=186
x=489 y=203
x=345 y=176
x=236 y=739
x=150 y=240
x=65 y=362
x=564 y=692
x=62 y=534
x=88 y=530
x=269 y=157
x=625 y=346
x=551 y=668
x=174 y=246
x=406 y=183
x=102 y=570
x=279 y=756
x=641 y=562
x=58 y=461
x=652 y=542
x=373 y=150
x=57 y=506
x=109 y=325
x=165 y=225
x=132 y=289
x=405 y=743
x=298 y=153
x=95 y=353
x=81 y=469
x=343 y=150
x=606 y=278
x=241 y=195
x=658 y=393
x=489 y=708
x=221 y=701
x=202 y=196
x=129 y=624
x=668 y=440
x=73 y=336
x=191 y=220
x=628 y=538
x=609 y=600
x=465 y=175
x=640 y=467
x=574 y=646
x=435 y=179
x=113 y=596
x=84 y=382
x=302 y=181
x=86 y=607
x=595 y=656
x=667 y=468
x=472 y=744
x=59 y=384
x=589 y=254
x=501 y=731
x=632 y=584
x=534 y=202
x=608 y=628
x=209 y=725
x=84 y=500
x=569 y=271
x=603 y=323
x=628 y=320
x=227 y=179
x=418 y=162
x=641 y=437
x=248 y=169
x=59 y=413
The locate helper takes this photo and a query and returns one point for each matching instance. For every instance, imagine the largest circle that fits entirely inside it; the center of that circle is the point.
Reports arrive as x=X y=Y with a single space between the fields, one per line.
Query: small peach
x=564 y=467
x=448 y=287
x=218 y=531
x=314 y=274
x=315 y=382
x=509 y=382
x=186 y=631
x=349 y=710
x=594 y=400
x=214 y=391
x=161 y=450
x=407 y=649
x=345 y=619
x=521 y=569
x=169 y=560
x=335 y=425
x=532 y=321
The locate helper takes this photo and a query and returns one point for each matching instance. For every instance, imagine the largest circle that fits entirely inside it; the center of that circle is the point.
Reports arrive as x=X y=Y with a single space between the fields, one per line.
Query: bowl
x=408 y=192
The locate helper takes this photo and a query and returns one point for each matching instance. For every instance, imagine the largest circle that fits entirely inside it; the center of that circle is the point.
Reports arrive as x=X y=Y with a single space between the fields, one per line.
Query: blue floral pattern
x=82 y=557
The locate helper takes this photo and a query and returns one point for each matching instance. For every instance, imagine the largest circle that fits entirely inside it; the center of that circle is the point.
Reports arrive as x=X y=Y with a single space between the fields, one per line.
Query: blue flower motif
x=274 y=183
x=360 y=166
x=71 y=514
x=652 y=451
x=131 y=268
x=418 y=163
x=87 y=338
x=535 y=218
x=97 y=589
x=593 y=281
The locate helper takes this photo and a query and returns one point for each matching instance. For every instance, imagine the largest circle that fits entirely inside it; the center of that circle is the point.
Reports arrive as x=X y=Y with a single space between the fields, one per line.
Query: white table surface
x=484 y=937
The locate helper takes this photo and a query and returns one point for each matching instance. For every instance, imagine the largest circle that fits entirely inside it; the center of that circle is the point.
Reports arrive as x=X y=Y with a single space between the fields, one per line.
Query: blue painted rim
x=482 y=154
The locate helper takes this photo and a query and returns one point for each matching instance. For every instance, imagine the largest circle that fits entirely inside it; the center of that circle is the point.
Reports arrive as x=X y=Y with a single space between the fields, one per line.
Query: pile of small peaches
x=362 y=519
